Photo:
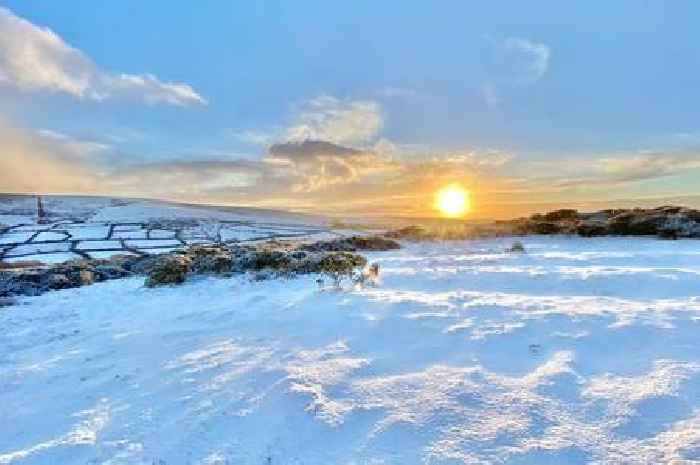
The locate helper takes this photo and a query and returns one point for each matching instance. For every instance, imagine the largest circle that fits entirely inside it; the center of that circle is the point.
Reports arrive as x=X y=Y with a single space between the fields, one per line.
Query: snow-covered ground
x=91 y=227
x=580 y=351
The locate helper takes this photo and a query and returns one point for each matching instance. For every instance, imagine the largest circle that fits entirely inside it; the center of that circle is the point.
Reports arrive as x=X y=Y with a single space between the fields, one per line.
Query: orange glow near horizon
x=453 y=201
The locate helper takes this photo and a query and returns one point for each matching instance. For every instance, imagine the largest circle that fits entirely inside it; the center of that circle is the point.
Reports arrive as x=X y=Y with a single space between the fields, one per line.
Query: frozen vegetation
x=568 y=351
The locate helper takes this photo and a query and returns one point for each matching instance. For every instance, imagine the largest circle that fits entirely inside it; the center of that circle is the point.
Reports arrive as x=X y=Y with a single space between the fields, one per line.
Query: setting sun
x=453 y=200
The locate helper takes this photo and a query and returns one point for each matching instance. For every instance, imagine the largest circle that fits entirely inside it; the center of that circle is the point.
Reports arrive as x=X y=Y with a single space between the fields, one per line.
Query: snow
x=578 y=351
x=129 y=234
x=159 y=250
x=99 y=245
x=143 y=211
x=49 y=236
x=97 y=231
x=154 y=243
x=161 y=234
x=13 y=220
x=47 y=258
x=108 y=253
x=33 y=249
x=15 y=237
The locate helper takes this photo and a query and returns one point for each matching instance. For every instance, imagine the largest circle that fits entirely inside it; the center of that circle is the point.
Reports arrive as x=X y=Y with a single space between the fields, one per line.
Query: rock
x=210 y=259
x=86 y=277
x=7 y=301
x=546 y=227
x=411 y=233
x=59 y=281
x=269 y=259
x=22 y=282
x=168 y=269
x=22 y=264
x=78 y=272
x=353 y=244
x=561 y=215
x=667 y=222
x=680 y=225
x=591 y=228
x=636 y=223
x=136 y=264
x=107 y=271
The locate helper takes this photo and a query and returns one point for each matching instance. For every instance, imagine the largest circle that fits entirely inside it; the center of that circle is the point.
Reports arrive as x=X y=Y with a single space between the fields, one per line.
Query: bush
x=517 y=247
x=340 y=265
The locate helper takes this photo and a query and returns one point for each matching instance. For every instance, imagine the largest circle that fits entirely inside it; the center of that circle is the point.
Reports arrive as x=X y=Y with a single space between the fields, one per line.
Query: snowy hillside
x=579 y=351
x=94 y=227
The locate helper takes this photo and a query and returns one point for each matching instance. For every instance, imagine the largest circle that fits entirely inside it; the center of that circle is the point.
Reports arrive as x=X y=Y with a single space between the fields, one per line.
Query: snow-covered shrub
x=517 y=247
x=340 y=265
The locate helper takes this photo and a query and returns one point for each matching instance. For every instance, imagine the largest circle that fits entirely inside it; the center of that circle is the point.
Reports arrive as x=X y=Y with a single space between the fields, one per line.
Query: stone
x=592 y=228
x=169 y=269
x=86 y=277
x=107 y=271
x=59 y=281
x=353 y=244
x=215 y=260
x=411 y=233
x=7 y=301
x=562 y=214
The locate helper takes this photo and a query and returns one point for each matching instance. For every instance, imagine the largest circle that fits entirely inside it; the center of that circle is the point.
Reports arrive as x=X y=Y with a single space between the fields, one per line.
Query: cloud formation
x=330 y=157
x=323 y=176
x=516 y=62
x=318 y=165
x=523 y=59
x=33 y=58
x=618 y=171
x=339 y=121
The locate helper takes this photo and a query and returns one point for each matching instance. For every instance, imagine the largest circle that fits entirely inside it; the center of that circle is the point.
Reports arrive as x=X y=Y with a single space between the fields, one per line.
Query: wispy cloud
x=527 y=60
x=73 y=147
x=34 y=58
x=516 y=62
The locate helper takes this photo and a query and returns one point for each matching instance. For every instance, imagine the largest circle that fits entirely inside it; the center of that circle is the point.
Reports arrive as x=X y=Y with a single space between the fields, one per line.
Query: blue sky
x=522 y=102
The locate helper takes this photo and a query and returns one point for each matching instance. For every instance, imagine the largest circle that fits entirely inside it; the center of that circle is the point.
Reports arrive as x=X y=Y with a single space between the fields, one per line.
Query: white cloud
x=338 y=121
x=530 y=59
x=152 y=90
x=516 y=62
x=33 y=58
x=71 y=146
x=478 y=159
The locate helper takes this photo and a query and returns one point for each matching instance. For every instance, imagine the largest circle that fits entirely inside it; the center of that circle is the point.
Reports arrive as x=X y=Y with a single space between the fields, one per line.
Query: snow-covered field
x=580 y=351
x=87 y=227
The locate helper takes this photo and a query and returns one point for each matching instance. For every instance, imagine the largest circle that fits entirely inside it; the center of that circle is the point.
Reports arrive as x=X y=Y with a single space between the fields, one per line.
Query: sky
x=354 y=108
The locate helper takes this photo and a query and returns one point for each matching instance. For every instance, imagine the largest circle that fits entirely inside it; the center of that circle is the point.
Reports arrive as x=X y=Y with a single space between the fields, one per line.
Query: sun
x=453 y=201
